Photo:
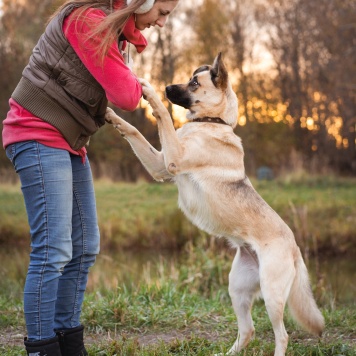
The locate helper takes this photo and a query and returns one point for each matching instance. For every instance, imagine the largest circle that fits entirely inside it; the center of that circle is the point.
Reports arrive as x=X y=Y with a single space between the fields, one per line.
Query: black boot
x=49 y=347
x=71 y=341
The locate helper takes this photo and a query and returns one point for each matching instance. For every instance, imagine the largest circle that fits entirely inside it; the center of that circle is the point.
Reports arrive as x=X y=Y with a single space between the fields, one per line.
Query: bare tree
x=210 y=27
x=309 y=41
x=21 y=24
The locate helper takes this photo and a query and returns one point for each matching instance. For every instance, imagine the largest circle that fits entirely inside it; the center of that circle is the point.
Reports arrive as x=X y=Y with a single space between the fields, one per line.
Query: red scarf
x=134 y=35
x=131 y=33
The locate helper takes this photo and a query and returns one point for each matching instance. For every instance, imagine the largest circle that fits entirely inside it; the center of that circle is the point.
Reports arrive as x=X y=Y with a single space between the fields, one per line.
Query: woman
x=77 y=65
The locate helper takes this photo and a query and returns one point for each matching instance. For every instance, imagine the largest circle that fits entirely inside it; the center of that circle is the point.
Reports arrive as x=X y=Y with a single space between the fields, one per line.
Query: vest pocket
x=81 y=90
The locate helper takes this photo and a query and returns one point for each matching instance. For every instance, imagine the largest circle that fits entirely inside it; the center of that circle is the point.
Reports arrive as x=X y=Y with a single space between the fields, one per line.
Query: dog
x=205 y=159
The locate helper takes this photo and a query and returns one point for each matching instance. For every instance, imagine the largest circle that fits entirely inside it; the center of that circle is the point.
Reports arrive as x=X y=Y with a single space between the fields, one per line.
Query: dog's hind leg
x=243 y=288
x=277 y=273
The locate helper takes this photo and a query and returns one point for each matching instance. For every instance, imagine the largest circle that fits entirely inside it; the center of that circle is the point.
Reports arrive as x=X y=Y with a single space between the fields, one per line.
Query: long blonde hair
x=111 y=27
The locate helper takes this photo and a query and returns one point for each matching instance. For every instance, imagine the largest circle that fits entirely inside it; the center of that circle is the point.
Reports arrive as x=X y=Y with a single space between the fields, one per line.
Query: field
x=320 y=210
x=184 y=308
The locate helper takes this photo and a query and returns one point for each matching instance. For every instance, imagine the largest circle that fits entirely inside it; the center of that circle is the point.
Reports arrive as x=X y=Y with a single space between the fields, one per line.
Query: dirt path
x=15 y=336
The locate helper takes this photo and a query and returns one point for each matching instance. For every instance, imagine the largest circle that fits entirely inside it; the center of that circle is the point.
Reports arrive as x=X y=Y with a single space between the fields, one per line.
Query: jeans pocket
x=10 y=152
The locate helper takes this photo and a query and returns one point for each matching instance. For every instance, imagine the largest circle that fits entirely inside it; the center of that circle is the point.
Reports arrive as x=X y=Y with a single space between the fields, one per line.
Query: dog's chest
x=193 y=201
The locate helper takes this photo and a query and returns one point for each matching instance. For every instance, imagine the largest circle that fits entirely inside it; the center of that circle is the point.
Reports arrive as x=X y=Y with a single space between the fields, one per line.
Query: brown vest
x=56 y=87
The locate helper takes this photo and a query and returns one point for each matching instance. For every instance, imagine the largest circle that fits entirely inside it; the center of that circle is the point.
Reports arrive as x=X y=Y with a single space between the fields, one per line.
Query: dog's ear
x=219 y=73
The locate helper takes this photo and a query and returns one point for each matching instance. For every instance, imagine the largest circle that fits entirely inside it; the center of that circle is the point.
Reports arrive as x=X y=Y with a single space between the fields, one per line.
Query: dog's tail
x=301 y=302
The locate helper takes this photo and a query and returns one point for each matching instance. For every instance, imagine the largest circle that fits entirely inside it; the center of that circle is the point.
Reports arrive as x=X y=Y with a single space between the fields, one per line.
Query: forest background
x=292 y=64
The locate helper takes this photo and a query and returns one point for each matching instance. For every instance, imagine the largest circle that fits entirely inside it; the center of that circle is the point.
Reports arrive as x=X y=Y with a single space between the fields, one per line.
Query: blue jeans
x=60 y=204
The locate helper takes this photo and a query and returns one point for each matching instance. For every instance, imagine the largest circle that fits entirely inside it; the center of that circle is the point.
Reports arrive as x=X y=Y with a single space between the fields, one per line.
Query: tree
x=21 y=24
x=210 y=27
x=304 y=100
x=308 y=41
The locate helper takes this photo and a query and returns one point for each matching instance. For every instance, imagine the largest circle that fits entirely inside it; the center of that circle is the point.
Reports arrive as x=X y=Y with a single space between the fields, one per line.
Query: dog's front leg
x=151 y=159
x=172 y=148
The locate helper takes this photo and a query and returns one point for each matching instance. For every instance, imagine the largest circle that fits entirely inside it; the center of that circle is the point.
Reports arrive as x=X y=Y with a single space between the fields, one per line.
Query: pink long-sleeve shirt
x=120 y=84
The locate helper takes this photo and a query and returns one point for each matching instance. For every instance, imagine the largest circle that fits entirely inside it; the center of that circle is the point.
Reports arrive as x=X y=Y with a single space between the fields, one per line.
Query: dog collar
x=215 y=120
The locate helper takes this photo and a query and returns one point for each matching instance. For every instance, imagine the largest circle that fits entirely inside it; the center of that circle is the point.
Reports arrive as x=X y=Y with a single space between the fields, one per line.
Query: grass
x=320 y=210
x=169 y=319
x=184 y=308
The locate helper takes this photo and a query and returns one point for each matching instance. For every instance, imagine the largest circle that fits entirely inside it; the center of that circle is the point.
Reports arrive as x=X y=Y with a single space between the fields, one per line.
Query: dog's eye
x=194 y=83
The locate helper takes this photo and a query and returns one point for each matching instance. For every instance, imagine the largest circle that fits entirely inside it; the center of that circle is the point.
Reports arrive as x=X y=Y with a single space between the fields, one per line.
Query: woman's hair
x=111 y=27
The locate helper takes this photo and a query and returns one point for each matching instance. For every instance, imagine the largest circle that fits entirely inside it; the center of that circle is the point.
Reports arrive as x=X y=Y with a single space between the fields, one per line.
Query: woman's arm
x=120 y=84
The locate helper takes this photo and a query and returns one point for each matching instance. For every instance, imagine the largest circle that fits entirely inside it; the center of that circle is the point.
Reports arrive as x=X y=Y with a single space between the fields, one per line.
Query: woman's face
x=158 y=15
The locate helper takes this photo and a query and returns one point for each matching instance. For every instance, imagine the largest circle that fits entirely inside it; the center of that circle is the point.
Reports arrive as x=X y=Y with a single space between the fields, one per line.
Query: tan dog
x=205 y=159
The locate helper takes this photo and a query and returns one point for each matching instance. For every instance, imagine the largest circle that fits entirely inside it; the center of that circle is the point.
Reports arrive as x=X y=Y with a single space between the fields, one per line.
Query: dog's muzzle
x=178 y=95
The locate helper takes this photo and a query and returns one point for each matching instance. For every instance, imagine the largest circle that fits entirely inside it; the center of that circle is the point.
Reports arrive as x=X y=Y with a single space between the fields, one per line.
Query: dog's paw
x=151 y=96
x=145 y=84
x=126 y=130
x=110 y=116
x=115 y=120
x=118 y=123
x=147 y=89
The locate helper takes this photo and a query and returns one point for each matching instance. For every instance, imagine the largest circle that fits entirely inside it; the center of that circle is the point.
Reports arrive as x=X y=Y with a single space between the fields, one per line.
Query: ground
x=15 y=336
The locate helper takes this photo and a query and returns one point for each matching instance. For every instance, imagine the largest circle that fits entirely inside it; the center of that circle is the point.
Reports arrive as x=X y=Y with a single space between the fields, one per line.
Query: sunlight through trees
x=292 y=64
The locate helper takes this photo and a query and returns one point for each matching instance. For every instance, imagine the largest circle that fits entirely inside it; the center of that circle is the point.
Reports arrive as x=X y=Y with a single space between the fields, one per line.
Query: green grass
x=118 y=323
x=184 y=309
x=320 y=210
